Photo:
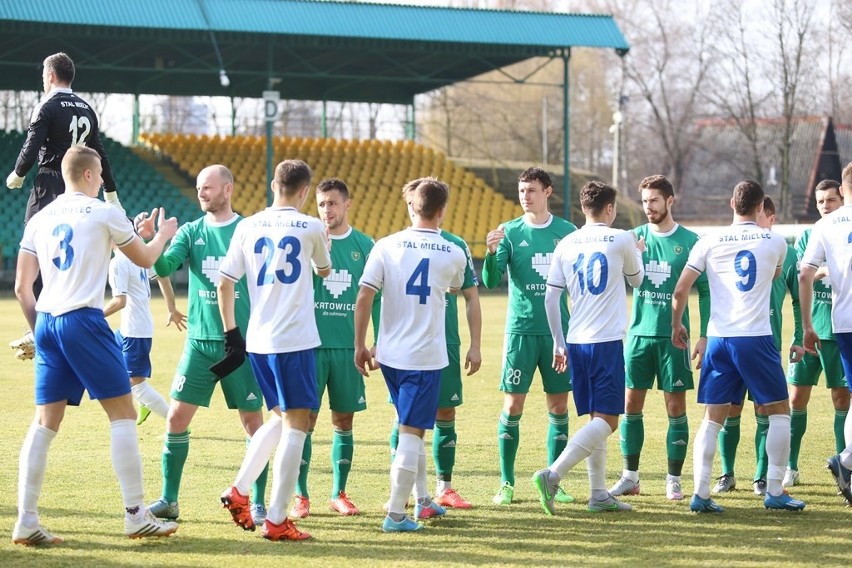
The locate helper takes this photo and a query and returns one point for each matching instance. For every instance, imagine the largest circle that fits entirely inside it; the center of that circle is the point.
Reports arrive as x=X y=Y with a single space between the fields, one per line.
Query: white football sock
x=286 y=471
x=703 y=452
x=847 y=436
x=581 y=445
x=127 y=463
x=631 y=475
x=442 y=486
x=261 y=446
x=596 y=467
x=146 y=395
x=31 y=466
x=421 y=489
x=777 y=452
x=403 y=472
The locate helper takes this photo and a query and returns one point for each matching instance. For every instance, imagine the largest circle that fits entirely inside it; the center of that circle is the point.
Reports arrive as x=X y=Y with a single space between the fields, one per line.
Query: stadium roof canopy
x=320 y=50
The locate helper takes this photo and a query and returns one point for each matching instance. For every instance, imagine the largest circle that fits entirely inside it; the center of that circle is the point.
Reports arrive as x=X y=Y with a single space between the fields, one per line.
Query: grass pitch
x=81 y=501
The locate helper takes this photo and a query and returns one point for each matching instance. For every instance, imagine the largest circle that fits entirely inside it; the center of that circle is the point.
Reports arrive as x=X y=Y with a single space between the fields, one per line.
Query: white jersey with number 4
x=592 y=263
x=831 y=242
x=414 y=269
x=274 y=249
x=127 y=279
x=72 y=238
x=740 y=263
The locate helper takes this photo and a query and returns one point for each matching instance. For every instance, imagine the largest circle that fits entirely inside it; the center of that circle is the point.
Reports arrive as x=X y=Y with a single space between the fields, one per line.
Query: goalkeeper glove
x=111 y=197
x=235 y=354
x=14 y=181
x=24 y=347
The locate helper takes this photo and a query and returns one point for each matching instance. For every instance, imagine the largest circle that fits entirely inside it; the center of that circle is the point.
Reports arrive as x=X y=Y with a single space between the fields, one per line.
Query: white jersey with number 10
x=414 y=269
x=274 y=249
x=740 y=263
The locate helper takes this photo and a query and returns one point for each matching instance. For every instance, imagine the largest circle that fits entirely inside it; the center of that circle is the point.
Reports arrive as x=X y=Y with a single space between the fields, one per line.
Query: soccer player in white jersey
x=413 y=269
x=740 y=261
x=592 y=264
x=69 y=242
x=131 y=294
x=831 y=243
x=275 y=249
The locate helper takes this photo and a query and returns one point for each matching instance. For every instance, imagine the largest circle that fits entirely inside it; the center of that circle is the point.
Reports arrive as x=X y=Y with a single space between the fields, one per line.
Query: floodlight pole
x=324 y=120
x=566 y=152
x=135 y=134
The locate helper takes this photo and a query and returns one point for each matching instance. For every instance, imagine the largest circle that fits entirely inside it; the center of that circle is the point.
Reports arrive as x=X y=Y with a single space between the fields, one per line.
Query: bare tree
x=792 y=22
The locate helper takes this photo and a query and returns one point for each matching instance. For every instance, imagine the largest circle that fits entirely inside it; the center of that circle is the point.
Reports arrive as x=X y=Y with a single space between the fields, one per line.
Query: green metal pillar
x=269 y=149
x=233 y=118
x=413 y=121
x=134 y=136
x=566 y=139
x=324 y=120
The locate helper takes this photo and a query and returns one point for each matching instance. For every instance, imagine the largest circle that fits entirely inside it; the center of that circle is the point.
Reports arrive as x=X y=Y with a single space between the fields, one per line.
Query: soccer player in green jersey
x=203 y=243
x=524 y=246
x=804 y=375
x=649 y=353
x=334 y=305
x=729 y=436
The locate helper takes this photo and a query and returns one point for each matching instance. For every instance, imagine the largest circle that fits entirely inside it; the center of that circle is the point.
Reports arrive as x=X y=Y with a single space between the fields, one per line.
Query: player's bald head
x=216 y=173
x=77 y=160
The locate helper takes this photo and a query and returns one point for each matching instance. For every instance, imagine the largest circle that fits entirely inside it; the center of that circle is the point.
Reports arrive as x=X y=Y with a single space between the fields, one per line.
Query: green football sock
x=175 y=450
x=762 y=465
x=729 y=439
x=304 y=468
x=394 y=439
x=839 y=421
x=632 y=439
x=508 y=438
x=557 y=435
x=677 y=440
x=444 y=449
x=258 y=488
x=798 y=426
x=342 y=448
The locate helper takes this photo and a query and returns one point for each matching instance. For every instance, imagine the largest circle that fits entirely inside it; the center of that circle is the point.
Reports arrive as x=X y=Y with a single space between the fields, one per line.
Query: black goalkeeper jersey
x=59 y=122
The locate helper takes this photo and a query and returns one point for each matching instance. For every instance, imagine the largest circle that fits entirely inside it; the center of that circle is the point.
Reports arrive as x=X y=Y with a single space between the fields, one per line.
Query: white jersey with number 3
x=592 y=263
x=72 y=238
x=414 y=269
x=274 y=249
x=831 y=242
x=740 y=263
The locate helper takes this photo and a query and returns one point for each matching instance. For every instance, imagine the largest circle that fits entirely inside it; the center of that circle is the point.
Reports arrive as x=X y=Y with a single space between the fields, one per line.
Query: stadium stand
x=374 y=170
x=139 y=186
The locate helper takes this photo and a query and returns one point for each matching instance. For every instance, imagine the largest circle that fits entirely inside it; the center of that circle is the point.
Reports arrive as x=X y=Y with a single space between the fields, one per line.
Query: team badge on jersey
x=678 y=249
x=356 y=255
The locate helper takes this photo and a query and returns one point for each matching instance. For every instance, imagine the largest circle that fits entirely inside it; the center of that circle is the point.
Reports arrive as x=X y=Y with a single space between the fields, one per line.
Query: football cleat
x=405 y=525
x=285 y=531
x=759 y=486
x=699 y=505
x=163 y=510
x=610 y=504
x=547 y=484
x=301 y=507
x=144 y=413
x=562 y=496
x=673 y=490
x=725 y=483
x=791 y=478
x=149 y=526
x=449 y=498
x=841 y=477
x=430 y=511
x=505 y=495
x=344 y=505
x=238 y=505
x=624 y=486
x=783 y=502
x=24 y=347
x=33 y=536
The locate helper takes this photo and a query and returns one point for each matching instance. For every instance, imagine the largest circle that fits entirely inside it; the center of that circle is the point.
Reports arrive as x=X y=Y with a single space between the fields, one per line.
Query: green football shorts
x=194 y=383
x=806 y=372
x=522 y=354
x=650 y=358
x=336 y=371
